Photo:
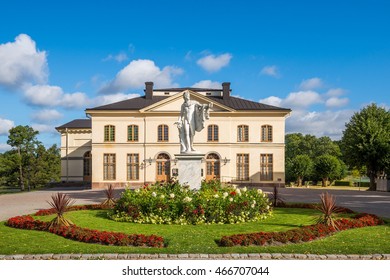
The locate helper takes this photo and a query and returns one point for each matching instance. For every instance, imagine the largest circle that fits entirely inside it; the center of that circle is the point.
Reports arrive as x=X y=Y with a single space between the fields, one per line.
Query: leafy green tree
x=301 y=166
x=23 y=139
x=327 y=168
x=9 y=169
x=366 y=141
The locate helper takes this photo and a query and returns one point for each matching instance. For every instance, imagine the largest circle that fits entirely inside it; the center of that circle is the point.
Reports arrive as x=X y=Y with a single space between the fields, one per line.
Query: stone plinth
x=189 y=169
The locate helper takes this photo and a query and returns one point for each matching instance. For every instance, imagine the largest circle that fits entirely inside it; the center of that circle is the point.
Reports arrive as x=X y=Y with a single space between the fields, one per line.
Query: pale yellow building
x=133 y=142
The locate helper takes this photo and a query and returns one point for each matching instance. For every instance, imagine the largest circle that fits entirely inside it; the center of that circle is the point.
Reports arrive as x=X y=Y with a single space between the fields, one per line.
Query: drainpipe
x=67 y=160
x=144 y=150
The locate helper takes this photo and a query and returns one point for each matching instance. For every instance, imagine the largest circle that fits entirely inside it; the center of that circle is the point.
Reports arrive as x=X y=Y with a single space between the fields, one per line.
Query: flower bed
x=51 y=211
x=302 y=234
x=87 y=235
x=171 y=203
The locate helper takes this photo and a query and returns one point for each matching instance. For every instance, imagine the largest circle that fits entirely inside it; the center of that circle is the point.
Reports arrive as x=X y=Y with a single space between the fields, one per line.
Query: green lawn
x=196 y=239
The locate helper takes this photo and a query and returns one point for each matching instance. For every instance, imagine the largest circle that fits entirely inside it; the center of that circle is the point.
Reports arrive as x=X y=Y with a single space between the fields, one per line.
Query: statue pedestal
x=189 y=169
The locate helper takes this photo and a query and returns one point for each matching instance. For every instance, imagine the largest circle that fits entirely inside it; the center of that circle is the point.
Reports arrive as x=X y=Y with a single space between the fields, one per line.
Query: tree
x=23 y=140
x=366 y=141
x=301 y=167
x=327 y=168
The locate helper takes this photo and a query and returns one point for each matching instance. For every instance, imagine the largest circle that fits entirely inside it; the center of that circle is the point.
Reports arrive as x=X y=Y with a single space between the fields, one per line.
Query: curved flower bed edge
x=76 y=233
x=302 y=234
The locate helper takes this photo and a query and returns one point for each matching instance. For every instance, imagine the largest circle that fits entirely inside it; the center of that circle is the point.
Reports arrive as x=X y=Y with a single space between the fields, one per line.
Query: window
x=242 y=133
x=109 y=166
x=266 y=133
x=242 y=167
x=109 y=133
x=132 y=167
x=212 y=133
x=212 y=167
x=162 y=133
x=266 y=167
x=132 y=133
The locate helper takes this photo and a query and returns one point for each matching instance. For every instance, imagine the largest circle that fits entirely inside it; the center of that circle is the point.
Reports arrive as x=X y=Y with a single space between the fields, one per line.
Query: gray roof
x=232 y=102
x=78 y=123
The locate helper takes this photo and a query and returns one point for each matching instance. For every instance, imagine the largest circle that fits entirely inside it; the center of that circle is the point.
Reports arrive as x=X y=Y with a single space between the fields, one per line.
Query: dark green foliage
x=366 y=141
x=327 y=167
x=29 y=163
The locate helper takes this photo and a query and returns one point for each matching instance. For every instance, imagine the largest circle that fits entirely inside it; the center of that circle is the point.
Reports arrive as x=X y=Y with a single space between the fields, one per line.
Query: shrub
x=343 y=183
x=171 y=203
x=87 y=235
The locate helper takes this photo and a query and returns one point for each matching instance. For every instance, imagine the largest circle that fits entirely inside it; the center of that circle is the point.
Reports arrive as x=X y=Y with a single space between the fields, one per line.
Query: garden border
x=249 y=256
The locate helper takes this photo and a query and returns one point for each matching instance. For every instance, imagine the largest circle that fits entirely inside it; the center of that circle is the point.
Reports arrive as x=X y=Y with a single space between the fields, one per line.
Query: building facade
x=133 y=142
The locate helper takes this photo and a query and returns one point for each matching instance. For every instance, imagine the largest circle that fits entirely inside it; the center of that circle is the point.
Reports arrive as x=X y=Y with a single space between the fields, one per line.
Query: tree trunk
x=21 y=180
x=299 y=181
x=372 y=181
x=324 y=182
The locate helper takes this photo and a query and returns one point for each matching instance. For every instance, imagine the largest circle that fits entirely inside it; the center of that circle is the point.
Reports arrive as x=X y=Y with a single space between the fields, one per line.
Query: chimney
x=225 y=90
x=148 y=90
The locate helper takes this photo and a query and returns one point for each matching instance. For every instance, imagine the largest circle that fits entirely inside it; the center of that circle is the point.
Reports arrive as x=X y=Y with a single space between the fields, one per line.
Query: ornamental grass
x=60 y=203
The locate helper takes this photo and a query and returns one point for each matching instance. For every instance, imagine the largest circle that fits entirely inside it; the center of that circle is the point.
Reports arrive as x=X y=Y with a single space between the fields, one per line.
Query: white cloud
x=4 y=147
x=120 y=57
x=43 y=128
x=336 y=92
x=112 y=98
x=310 y=84
x=212 y=63
x=47 y=115
x=336 y=102
x=327 y=123
x=270 y=71
x=137 y=72
x=22 y=63
x=5 y=126
x=272 y=100
x=207 y=84
x=43 y=95
x=302 y=99
x=51 y=96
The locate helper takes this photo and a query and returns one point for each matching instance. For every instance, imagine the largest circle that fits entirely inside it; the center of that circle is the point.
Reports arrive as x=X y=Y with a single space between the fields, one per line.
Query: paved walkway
x=29 y=202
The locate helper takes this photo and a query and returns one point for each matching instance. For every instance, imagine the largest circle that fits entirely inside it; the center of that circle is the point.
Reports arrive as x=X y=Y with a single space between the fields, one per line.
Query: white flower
x=225 y=194
x=216 y=195
x=259 y=191
x=154 y=194
x=137 y=190
x=267 y=207
x=187 y=199
x=231 y=199
x=244 y=189
x=253 y=205
x=162 y=196
x=172 y=195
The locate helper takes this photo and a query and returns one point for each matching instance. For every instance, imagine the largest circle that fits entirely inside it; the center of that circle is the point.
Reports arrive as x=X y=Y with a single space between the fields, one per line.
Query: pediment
x=173 y=104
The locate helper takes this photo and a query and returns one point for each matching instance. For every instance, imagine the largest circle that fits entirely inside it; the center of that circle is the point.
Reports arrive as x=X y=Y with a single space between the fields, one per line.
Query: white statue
x=192 y=118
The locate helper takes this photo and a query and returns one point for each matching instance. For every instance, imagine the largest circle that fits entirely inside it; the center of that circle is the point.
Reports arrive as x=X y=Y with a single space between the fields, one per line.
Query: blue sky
x=323 y=59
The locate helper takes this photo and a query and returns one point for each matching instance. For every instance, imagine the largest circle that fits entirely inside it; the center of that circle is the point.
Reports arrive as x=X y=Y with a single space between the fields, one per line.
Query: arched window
x=162 y=133
x=242 y=133
x=213 y=167
x=266 y=133
x=109 y=133
x=212 y=133
x=163 y=165
x=132 y=133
